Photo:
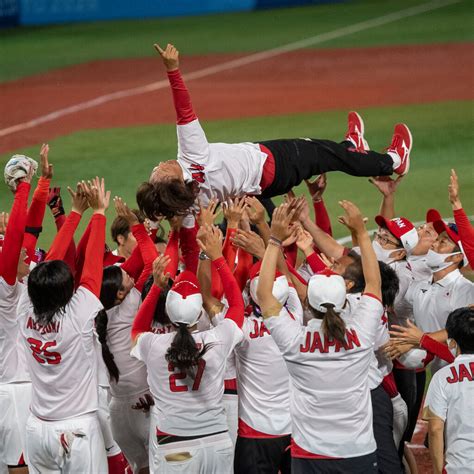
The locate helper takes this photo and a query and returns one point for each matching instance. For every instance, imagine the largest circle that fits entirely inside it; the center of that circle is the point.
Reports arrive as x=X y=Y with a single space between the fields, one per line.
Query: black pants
x=299 y=159
x=262 y=456
x=388 y=460
x=360 y=465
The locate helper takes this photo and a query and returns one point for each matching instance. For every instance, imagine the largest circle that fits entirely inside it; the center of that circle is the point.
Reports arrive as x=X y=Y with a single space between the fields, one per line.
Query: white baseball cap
x=280 y=290
x=326 y=287
x=184 y=300
x=16 y=168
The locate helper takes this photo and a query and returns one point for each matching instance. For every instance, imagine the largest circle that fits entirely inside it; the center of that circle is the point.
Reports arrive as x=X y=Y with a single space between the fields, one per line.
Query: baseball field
x=97 y=93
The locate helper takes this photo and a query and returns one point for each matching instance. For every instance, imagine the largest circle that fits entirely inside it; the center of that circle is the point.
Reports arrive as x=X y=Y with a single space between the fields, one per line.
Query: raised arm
x=98 y=200
x=316 y=189
x=370 y=265
x=15 y=231
x=144 y=318
x=387 y=186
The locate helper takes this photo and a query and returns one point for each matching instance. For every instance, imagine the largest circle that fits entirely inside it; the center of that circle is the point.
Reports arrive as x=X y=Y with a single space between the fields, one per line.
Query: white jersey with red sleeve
x=449 y=397
x=62 y=358
x=12 y=355
x=186 y=406
x=330 y=398
x=222 y=170
x=133 y=374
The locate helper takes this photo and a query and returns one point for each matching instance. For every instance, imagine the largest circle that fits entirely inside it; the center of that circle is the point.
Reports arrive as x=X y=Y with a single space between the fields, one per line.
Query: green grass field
x=44 y=48
x=442 y=131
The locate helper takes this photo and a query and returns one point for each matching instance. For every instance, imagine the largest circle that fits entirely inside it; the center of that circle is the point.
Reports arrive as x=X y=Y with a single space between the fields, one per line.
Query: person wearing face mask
x=448 y=289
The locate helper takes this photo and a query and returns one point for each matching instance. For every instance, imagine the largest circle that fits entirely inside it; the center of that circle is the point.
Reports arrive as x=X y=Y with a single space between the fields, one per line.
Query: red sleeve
x=91 y=277
x=231 y=291
x=34 y=220
x=466 y=234
x=293 y=271
x=389 y=385
x=144 y=318
x=241 y=272
x=181 y=98
x=14 y=234
x=145 y=244
x=437 y=348
x=172 y=250
x=322 y=217
x=134 y=264
x=229 y=250
x=315 y=262
x=217 y=289
x=291 y=254
x=64 y=237
x=81 y=253
x=189 y=247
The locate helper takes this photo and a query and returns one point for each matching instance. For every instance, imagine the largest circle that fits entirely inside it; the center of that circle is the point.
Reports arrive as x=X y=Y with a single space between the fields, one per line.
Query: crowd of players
x=256 y=343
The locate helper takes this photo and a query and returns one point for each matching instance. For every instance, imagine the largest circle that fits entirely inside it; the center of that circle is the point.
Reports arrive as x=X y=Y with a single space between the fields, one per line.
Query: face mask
x=437 y=261
x=382 y=254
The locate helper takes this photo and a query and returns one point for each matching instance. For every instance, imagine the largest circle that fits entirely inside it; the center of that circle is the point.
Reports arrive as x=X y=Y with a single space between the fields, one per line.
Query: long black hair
x=333 y=326
x=50 y=288
x=112 y=279
x=183 y=353
x=160 y=316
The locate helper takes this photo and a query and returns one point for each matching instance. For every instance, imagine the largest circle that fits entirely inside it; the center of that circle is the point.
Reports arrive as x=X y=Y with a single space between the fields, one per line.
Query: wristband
x=274 y=241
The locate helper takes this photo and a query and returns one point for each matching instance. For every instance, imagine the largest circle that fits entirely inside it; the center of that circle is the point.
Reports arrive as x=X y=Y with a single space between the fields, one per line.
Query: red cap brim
x=433 y=215
x=440 y=226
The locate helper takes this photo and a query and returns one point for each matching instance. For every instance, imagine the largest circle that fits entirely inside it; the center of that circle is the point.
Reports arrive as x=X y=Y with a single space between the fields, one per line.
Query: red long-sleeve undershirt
x=63 y=239
x=231 y=291
x=322 y=217
x=241 y=272
x=291 y=254
x=14 y=234
x=466 y=234
x=91 y=277
x=70 y=256
x=181 y=98
x=436 y=348
x=144 y=318
x=315 y=262
x=229 y=250
x=34 y=220
x=189 y=247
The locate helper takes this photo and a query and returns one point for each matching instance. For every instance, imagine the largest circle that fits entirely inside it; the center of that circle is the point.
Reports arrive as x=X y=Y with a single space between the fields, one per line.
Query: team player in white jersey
x=186 y=370
x=57 y=324
x=271 y=168
x=448 y=403
x=328 y=360
x=15 y=386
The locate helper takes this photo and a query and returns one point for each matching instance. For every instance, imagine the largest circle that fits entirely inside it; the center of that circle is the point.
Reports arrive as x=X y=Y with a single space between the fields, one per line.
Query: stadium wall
x=42 y=12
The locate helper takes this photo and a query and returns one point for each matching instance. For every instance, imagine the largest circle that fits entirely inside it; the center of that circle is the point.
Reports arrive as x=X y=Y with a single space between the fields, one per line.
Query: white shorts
x=111 y=446
x=73 y=446
x=15 y=399
x=130 y=429
x=208 y=455
x=400 y=418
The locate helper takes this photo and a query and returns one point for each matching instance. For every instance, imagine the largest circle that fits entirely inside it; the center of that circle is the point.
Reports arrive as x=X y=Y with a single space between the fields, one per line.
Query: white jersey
x=420 y=270
x=449 y=397
x=133 y=375
x=186 y=406
x=403 y=308
x=62 y=358
x=222 y=170
x=380 y=364
x=12 y=354
x=330 y=406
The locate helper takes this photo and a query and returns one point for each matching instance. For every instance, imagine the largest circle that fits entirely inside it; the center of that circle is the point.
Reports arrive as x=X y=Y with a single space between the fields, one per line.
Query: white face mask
x=437 y=261
x=382 y=254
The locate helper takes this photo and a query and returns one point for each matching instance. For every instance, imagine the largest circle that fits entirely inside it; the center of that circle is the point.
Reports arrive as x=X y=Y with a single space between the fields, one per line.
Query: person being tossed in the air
x=269 y=168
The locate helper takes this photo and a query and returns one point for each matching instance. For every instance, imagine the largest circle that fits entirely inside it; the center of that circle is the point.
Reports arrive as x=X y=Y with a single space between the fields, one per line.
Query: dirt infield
x=302 y=81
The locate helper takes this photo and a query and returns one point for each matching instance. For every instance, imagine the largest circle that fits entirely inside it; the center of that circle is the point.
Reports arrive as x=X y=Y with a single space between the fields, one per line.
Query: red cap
x=451 y=230
x=433 y=215
x=402 y=229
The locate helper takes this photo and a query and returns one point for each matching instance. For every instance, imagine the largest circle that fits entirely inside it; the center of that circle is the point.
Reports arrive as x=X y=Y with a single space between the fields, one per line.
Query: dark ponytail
x=160 y=316
x=333 y=325
x=101 y=321
x=111 y=283
x=183 y=352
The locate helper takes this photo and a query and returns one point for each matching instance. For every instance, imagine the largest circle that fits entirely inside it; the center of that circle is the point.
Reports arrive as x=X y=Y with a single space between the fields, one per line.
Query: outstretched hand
x=97 y=197
x=208 y=215
x=317 y=187
x=386 y=185
x=170 y=56
x=453 y=190
x=78 y=198
x=124 y=211
x=209 y=240
x=160 y=278
x=410 y=334
x=352 y=218
x=46 y=167
x=281 y=220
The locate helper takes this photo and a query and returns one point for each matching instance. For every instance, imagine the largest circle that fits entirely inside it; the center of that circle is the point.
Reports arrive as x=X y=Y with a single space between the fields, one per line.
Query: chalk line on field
x=226 y=65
